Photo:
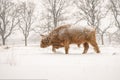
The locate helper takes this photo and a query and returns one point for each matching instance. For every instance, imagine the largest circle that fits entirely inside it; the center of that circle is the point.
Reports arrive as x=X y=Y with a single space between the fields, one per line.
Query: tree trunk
x=25 y=41
x=102 y=39
x=3 y=40
x=55 y=22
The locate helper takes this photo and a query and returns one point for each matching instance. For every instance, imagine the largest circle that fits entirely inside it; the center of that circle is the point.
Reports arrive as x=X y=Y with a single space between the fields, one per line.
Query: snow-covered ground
x=33 y=62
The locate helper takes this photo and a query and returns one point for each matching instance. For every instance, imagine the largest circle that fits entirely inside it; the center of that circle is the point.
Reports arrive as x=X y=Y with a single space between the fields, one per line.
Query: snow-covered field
x=33 y=62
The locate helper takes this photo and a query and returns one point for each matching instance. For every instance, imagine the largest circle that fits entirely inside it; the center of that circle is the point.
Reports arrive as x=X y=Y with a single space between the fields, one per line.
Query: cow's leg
x=53 y=49
x=66 y=47
x=94 y=44
x=78 y=45
x=86 y=47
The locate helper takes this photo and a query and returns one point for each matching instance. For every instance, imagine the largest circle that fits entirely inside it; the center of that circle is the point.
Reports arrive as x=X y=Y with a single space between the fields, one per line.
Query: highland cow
x=55 y=42
x=65 y=35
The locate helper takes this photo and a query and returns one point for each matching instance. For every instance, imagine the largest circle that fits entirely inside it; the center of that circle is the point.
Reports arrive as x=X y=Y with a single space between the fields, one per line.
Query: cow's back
x=76 y=34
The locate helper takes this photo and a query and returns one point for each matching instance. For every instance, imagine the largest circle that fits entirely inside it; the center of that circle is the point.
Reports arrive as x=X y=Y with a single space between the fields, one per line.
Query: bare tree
x=115 y=8
x=26 y=19
x=91 y=11
x=44 y=24
x=8 y=19
x=103 y=31
x=55 y=10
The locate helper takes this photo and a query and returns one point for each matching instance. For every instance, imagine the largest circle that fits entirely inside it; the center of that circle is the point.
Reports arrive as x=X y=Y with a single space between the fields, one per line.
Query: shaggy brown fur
x=55 y=42
x=65 y=35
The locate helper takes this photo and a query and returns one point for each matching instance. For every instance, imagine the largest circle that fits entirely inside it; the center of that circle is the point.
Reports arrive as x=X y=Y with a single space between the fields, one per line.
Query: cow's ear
x=42 y=35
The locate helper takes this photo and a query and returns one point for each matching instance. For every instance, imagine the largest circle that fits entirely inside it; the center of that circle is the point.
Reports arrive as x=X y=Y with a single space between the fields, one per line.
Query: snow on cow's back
x=81 y=28
x=76 y=28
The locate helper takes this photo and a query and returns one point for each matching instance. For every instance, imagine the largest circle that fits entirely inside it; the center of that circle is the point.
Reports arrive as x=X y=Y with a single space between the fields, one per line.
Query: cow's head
x=45 y=41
